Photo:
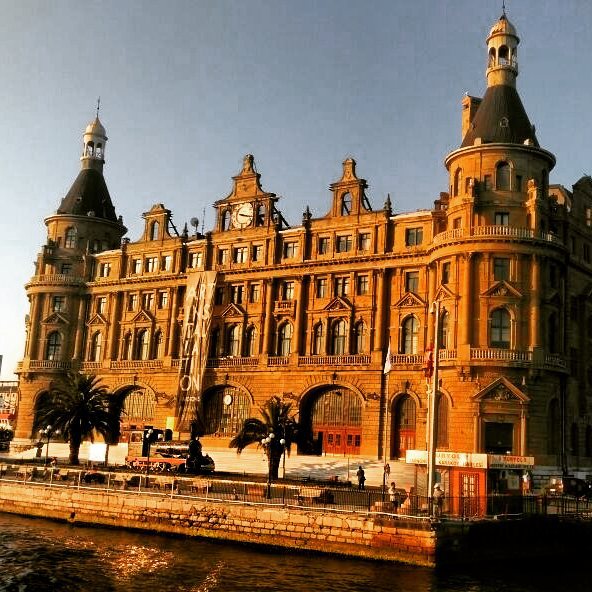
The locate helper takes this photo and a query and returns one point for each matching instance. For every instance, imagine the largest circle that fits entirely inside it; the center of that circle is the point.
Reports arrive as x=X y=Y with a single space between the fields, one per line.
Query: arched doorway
x=225 y=409
x=404 y=414
x=335 y=421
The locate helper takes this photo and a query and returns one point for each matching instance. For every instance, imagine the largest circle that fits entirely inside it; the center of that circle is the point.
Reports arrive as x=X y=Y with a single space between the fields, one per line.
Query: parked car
x=571 y=486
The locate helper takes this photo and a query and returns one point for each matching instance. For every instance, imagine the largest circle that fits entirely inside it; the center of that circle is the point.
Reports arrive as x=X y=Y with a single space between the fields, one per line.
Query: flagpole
x=386 y=371
x=432 y=407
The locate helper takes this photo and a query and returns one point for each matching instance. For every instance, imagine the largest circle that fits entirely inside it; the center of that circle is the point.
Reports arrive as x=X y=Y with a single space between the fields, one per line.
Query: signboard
x=505 y=461
x=448 y=459
x=96 y=452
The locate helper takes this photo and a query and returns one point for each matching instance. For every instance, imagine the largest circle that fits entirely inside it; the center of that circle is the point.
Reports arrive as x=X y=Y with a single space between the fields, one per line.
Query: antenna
x=195 y=223
x=98 y=105
x=203 y=217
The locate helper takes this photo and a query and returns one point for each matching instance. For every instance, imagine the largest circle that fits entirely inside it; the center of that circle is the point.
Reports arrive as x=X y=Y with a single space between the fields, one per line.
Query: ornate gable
x=56 y=318
x=502 y=289
x=338 y=304
x=233 y=311
x=410 y=300
x=142 y=317
x=444 y=293
x=501 y=390
x=97 y=319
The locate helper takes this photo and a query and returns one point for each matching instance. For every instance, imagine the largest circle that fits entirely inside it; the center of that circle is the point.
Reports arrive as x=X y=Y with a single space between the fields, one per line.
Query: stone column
x=114 y=316
x=535 y=302
x=79 y=336
x=173 y=320
x=299 y=325
x=380 y=312
x=34 y=324
x=465 y=334
x=432 y=270
x=269 y=300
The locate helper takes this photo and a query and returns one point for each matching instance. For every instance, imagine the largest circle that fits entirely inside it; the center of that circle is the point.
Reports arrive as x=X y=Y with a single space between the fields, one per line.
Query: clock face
x=242 y=215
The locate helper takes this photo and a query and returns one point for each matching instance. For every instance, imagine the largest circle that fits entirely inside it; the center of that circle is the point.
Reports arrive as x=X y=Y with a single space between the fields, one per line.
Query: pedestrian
x=438 y=500
x=361 y=477
x=394 y=496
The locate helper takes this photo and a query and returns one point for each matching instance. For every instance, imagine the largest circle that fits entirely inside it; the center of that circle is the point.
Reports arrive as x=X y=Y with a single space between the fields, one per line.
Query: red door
x=404 y=426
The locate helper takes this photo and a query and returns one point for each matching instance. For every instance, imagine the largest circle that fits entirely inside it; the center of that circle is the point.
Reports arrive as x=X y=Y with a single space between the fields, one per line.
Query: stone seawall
x=371 y=537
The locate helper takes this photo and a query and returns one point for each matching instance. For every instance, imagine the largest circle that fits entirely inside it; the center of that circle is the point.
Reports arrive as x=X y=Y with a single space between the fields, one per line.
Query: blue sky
x=188 y=87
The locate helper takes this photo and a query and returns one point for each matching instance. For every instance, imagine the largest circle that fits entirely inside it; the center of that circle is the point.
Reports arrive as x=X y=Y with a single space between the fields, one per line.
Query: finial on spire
x=98 y=106
x=504 y=7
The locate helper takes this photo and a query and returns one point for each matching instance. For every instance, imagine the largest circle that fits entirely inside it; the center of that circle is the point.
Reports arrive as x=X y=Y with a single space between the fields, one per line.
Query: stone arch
x=225 y=407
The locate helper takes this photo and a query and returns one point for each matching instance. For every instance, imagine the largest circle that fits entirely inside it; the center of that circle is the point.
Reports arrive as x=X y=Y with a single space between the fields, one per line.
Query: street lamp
x=266 y=443
x=47 y=432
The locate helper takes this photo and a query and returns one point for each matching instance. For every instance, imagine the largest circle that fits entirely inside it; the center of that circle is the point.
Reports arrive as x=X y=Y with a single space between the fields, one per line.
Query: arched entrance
x=225 y=409
x=404 y=414
x=335 y=421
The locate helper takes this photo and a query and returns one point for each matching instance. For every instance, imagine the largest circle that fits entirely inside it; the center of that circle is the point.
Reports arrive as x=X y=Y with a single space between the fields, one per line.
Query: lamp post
x=267 y=445
x=47 y=433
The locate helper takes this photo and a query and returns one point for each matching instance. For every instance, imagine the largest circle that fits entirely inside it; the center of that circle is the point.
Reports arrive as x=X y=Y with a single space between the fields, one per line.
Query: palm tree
x=80 y=407
x=275 y=432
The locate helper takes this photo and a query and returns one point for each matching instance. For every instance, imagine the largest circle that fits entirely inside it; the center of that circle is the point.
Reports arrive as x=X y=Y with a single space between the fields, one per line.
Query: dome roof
x=96 y=128
x=503 y=26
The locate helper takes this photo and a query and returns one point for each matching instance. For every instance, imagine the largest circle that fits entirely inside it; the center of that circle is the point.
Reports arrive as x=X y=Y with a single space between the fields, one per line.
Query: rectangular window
x=323 y=245
x=588 y=216
x=132 y=302
x=58 y=303
x=321 y=288
x=196 y=260
x=362 y=286
x=236 y=293
x=222 y=256
x=240 y=255
x=457 y=223
x=518 y=182
x=586 y=252
x=413 y=236
x=288 y=291
x=150 y=264
x=290 y=250
x=502 y=219
x=446 y=272
x=219 y=296
x=344 y=243
x=501 y=269
x=163 y=299
x=364 y=241
x=342 y=286
x=105 y=269
x=136 y=266
x=257 y=253
x=66 y=268
x=148 y=300
x=167 y=263
x=255 y=293
x=101 y=304
x=412 y=281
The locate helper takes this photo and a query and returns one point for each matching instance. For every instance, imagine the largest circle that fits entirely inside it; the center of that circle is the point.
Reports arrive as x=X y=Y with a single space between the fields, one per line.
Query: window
x=219 y=296
x=70 y=239
x=446 y=272
x=285 y=340
x=573 y=308
x=359 y=334
x=323 y=245
x=101 y=304
x=236 y=293
x=288 y=291
x=553 y=427
x=136 y=266
x=233 y=341
x=126 y=347
x=502 y=176
x=154 y=231
x=321 y=287
x=66 y=268
x=105 y=269
x=290 y=250
x=225 y=220
x=501 y=269
x=260 y=215
x=413 y=236
x=222 y=256
x=346 y=204
x=588 y=216
x=317 y=339
x=255 y=293
x=518 y=182
x=158 y=345
x=574 y=357
x=442 y=421
x=240 y=255
x=53 y=350
x=143 y=345
x=344 y=243
x=362 y=286
x=412 y=281
x=341 y=286
x=150 y=264
x=163 y=299
x=148 y=300
x=214 y=343
x=410 y=332
x=552 y=333
x=502 y=219
x=257 y=253
x=167 y=263
x=196 y=260
x=487 y=182
x=586 y=252
x=364 y=241
x=457 y=182
x=457 y=222
x=444 y=330
x=338 y=338
x=132 y=302
x=500 y=329
x=96 y=344
x=58 y=303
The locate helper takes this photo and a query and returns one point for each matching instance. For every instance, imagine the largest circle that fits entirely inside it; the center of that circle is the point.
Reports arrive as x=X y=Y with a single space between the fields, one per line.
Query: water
x=40 y=555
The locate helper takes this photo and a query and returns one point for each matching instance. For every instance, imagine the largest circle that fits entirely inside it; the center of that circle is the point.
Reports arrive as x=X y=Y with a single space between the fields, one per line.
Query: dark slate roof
x=500 y=101
x=89 y=193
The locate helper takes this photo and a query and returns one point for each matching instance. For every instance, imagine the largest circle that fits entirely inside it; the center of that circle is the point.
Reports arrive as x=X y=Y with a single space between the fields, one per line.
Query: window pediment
x=233 y=311
x=501 y=390
x=338 y=304
x=56 y=318
x=502 y=289
x=444 y=293
x=142 y=317
x=410 y=300
x=97 y=319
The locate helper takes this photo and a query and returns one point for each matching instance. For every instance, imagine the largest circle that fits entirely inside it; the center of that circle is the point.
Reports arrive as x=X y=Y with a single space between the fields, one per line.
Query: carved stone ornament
x=500 y=393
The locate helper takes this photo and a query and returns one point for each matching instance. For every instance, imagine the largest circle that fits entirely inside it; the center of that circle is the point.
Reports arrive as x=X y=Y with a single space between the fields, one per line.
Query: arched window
x=503 y=56
x=99 y=152
x=346 y=204
x=225 y=410
x=158 y=345
x=410 y=332
x=492 y=57
x=359 y=336
x=552 y=330
x=154 y=230
x=338 y=338
x=500 y=329
x=575 y=440
x=126 y=347
x=226 y=220
x=457 y=182
x=90 y=148
x=233 y=341
x=404 y=426
x=70 y=240
x=553 y=428
x=214 y=343
x=284 y=345
x=443 y=338
x=54 y=346
x=139 y=406
x=260 y=215
x=143 y=345
x=317 y=340
x=250 y=341
x=502 y=176
x=442 y=421
x=96 y=344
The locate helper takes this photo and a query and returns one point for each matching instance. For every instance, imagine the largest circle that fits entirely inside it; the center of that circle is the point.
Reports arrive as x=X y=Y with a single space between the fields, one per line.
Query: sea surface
x=41 y=555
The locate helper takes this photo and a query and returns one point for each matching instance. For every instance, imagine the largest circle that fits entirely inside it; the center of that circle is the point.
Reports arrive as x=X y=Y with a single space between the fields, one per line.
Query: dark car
x=571 y=486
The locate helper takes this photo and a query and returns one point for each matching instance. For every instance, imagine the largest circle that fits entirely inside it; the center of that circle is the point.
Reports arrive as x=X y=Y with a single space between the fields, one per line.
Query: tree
x=277 y=420
x=81 y=407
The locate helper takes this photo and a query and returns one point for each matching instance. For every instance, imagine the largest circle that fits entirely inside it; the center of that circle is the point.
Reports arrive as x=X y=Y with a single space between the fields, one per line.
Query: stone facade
x=308 y=312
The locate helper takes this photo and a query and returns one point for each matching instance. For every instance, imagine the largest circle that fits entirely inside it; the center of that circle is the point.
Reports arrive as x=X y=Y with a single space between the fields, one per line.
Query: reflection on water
x=39 y=555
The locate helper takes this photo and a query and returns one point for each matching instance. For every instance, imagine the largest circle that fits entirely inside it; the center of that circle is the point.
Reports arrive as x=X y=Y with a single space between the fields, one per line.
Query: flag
x=428 y=368
x=387 y=362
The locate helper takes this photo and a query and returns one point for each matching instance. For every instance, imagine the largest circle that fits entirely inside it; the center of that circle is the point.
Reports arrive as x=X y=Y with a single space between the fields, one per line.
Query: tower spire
x=502 y=52
x=98 y=106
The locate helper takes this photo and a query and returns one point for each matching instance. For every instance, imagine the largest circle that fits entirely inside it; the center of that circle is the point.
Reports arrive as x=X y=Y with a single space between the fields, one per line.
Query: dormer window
x=260 y=215
x=154 y=231
x=225 y=223
x=346 y=204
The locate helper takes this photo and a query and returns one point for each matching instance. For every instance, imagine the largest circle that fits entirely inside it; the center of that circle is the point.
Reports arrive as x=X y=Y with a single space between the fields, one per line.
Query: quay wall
x=355 y=535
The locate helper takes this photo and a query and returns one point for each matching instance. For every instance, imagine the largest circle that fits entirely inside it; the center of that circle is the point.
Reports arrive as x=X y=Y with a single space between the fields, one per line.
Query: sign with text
x=448 y=459
x=505 y=461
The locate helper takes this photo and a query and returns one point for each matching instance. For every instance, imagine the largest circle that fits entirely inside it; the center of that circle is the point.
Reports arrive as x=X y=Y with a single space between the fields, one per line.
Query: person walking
x=394 y=496
x=438 y=500
x=361 y=477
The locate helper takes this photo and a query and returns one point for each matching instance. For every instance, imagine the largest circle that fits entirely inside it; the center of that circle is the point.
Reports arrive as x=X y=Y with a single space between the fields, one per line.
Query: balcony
x=278 y=360
x=502 y=355
x=37 y=365
x=59 y=279
x=86 y=366
x=284 y=307
x=231 y=362
x=555 y=361
x=353 y=360
x=400 y=359
x=503 y=232
x=135 y=364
